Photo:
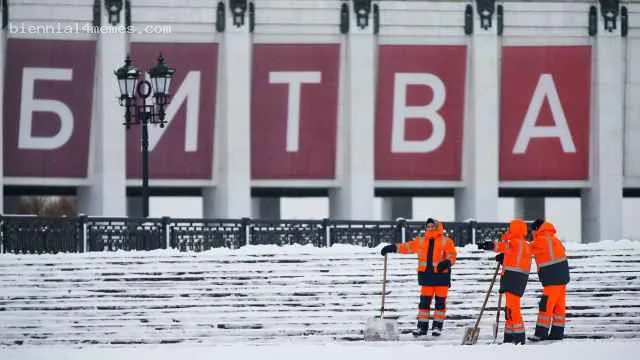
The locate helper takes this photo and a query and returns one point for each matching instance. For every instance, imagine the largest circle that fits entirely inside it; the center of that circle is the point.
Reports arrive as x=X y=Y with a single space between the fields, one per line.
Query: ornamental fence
x=25 y=234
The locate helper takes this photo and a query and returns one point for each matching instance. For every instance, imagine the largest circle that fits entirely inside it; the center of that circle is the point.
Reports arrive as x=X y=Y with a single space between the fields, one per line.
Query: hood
x=437 y=232
x=517 y=228
x=439 y=229
x=547 y=228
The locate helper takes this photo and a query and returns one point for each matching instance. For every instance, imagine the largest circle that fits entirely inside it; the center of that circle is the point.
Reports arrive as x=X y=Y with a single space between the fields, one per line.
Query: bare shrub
x=53 y=206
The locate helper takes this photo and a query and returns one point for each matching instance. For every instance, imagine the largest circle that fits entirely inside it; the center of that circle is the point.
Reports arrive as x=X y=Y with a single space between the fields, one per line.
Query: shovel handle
x=499 y=308
x=468 y=338
x=484 y=304
x=384 y=284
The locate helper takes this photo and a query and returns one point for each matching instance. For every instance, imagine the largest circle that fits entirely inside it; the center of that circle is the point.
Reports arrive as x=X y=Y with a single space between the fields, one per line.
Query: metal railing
x=36 y=235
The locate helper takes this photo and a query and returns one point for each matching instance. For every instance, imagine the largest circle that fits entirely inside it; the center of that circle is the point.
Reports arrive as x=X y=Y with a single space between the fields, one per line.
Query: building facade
x=345 y=99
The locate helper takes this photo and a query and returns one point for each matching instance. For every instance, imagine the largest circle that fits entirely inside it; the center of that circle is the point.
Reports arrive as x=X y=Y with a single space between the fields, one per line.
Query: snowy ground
x=281 y=302
x=583 y=350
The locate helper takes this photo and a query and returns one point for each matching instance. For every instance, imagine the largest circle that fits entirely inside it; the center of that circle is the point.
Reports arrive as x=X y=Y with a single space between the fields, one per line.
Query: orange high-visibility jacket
x=432 y=248
x=550 y=255
x=517 y=258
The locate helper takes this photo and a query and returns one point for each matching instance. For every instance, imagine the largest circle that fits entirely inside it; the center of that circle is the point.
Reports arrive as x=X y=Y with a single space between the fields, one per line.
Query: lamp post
x=134 y=92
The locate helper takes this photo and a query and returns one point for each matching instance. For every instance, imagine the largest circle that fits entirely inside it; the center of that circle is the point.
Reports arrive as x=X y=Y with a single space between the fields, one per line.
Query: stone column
x=529 y=208
x=397 y=207
x=265 y=208
x=231 y=197
x=354 y=198
x=478 y=199
x=106 y=194
x=602 y=202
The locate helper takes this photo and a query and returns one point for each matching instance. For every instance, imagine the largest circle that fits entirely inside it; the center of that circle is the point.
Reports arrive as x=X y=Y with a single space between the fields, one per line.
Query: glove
x=444 y=265
x=387 y=249
x=487 y=245
x=500 y=258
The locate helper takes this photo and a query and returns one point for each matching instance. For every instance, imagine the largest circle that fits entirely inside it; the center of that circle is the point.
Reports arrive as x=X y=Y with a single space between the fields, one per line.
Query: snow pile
x=378 y=329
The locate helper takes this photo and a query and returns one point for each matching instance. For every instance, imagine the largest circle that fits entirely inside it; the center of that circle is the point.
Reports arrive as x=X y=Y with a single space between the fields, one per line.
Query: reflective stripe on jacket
x=550 y=255
x=517 y=258
x=432 y=248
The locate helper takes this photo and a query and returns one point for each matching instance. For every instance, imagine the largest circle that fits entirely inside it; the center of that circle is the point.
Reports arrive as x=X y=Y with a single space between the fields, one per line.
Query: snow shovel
x=471 y=333
x=378 y=329
x=497 y=324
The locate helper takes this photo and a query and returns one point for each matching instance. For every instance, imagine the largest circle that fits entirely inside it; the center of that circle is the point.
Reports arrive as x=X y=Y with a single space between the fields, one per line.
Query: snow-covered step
x=266 y=293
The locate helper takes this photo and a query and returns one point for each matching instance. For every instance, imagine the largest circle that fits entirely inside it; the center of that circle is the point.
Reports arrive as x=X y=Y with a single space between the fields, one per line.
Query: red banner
x=184 y=148
x=294 y=111
x=420 y=112
x=544 y=122
x=48 y=96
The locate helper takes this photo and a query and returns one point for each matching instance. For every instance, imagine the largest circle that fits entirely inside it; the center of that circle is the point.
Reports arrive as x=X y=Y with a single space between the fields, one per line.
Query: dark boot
x=423 y=328
x=518 y=338
x=508 y=338
x=542 y=333
x=436 y=328
x=556 y=333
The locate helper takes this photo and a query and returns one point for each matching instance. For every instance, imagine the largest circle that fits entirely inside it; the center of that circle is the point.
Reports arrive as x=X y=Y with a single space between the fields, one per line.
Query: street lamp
x=134 y=92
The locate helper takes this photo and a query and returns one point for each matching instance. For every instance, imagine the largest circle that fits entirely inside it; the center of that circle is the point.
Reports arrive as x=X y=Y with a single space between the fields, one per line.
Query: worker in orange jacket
x=553 y=272
x=436 y=254
x=515 y=257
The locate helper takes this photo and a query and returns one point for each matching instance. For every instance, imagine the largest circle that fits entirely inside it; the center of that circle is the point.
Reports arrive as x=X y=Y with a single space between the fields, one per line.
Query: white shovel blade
x=379 y=329
x=495 y=333
x=470 y=336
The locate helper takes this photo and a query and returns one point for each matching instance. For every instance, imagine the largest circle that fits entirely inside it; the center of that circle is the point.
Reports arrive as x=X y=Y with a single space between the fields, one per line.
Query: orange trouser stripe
x=433 y=291
x=558 y=320
x=439 y=315
x=543 y=320
x=439 y=291
x=514 y=322
x=555 y=309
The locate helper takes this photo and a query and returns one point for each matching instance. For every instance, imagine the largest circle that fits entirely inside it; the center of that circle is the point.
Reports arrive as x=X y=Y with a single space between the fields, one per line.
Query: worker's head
x=546 y=228
x=517 y=228
x=431 y=224
x=535 y=225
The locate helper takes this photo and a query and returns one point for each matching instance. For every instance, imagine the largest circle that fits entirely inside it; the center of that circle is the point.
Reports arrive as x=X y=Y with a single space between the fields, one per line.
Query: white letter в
x=429 y=112
x=29 y=105
x=294 y=79
x=545 y=88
